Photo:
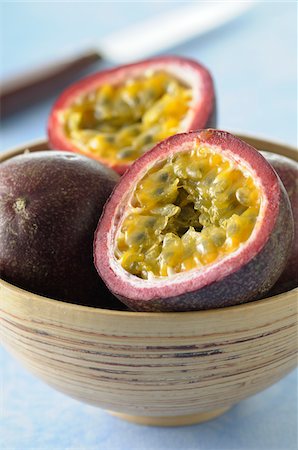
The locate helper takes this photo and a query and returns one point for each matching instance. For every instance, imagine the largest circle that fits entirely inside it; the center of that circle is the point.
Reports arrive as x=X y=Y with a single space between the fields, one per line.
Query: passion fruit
x=50 y=203
x=201 y=221
x=117 y=115
x=287 y=170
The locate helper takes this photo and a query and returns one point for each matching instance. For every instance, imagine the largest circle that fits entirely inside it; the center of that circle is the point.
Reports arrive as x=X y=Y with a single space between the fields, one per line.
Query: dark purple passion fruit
x=50 y=203
x=287 y=170
x=200 y=221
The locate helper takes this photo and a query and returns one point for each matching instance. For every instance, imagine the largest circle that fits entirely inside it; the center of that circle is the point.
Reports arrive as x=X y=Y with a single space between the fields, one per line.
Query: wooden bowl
x=153 y=368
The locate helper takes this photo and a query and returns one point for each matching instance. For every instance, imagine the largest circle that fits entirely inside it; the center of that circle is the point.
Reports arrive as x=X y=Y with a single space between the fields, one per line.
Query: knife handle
x=33 y=86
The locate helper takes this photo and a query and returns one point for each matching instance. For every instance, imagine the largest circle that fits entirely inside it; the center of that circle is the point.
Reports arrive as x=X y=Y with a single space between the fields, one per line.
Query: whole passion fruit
x=50 y=203
x=287 y=169
x=201 y=221
x=116 y=115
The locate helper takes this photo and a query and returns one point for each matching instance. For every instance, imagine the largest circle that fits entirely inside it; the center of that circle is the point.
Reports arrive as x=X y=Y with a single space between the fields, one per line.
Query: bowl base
x=172 y=421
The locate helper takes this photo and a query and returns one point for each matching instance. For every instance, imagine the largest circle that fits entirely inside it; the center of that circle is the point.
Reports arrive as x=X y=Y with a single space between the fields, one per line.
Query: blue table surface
x=253 y=60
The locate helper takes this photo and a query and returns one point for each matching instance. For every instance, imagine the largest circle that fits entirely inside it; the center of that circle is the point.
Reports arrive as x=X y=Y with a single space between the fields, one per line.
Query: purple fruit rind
x=49 y=207
x=287 y=170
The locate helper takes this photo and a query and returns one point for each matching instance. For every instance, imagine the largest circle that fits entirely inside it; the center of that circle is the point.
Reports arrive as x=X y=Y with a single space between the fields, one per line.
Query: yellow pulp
x=186 y=212
x=119 y=123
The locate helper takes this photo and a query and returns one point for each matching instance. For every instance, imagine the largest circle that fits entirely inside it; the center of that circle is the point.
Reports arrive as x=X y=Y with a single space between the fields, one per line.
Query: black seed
x=163 y=177
x=150 y=222
x=105 y=101
x=148 y=139
x=126 y=153
x=148 y=95
x=140 y=237
x=198 y=228
x=159 y=191
x=134 y=130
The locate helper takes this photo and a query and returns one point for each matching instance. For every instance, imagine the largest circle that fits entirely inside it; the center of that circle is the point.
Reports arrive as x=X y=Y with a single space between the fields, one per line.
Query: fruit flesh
x=118 y=123
x=188 y=211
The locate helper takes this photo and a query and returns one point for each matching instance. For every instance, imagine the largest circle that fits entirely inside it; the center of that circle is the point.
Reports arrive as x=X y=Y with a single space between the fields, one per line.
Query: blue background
x=253 y=61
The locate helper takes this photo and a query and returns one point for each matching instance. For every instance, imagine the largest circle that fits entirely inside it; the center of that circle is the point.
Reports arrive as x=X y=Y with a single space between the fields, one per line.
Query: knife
x=141 y=40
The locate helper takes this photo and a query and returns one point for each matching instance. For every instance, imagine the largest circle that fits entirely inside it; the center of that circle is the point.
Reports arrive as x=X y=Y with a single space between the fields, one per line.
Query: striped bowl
x=163 y=369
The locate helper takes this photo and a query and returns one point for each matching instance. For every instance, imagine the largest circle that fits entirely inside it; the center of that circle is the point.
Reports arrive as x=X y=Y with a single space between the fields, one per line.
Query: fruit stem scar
x=20 y=205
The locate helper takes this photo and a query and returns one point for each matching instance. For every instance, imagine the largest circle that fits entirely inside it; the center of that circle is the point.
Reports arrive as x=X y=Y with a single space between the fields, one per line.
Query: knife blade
x=138 y=41
x=169 y=29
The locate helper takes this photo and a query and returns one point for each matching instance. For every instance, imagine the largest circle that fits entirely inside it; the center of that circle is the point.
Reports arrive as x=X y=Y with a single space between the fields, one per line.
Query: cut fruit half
x=115 y=116
x=200 y=221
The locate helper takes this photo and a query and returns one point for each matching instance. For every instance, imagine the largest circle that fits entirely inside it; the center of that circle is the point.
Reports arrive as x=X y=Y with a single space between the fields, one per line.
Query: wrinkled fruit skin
x=287 y=170
x=50 y=203
x=204 y=111
x=233 y=281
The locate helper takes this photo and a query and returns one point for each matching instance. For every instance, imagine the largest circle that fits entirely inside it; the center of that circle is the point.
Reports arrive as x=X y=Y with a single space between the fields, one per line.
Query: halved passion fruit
x=117 y=115
x=201 y=221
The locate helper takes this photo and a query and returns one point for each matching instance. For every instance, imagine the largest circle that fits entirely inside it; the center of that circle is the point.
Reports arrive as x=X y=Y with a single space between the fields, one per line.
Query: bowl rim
x=249 y=306
x=39 y=145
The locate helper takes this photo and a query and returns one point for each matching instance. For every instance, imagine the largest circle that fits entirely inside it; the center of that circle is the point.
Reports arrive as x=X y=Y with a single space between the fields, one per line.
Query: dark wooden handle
x=29 y=88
